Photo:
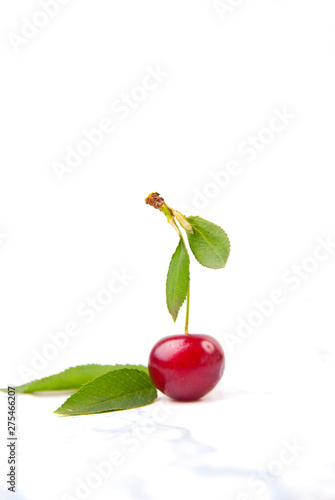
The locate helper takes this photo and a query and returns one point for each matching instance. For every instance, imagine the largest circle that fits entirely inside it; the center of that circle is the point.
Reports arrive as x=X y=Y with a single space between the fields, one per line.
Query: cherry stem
x=187 y=309
x=156 y=201
x=170 y=217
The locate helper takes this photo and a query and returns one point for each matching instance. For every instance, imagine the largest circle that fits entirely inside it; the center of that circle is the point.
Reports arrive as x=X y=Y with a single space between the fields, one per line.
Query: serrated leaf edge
x=214 y=268
x=119 y=367
x=175 y=318
x=57 y=412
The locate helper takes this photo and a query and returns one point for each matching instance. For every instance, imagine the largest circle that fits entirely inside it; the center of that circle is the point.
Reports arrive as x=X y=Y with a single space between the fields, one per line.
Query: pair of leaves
x=101 y=388
x=210 y=246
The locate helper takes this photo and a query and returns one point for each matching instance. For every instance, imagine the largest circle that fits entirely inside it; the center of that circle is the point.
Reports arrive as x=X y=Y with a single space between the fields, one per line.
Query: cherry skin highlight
x=186 y=367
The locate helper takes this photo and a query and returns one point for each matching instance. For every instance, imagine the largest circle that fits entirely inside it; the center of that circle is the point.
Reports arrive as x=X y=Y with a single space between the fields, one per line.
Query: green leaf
x=72 y=378
x=209 y=243
x=178 y=279
x=115 y=390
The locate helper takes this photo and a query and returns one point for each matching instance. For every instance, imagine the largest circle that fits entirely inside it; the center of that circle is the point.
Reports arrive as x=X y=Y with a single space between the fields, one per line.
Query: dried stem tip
x=155 y=200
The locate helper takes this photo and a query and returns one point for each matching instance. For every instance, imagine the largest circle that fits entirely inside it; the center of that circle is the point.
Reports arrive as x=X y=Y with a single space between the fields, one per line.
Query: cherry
x=186 y=367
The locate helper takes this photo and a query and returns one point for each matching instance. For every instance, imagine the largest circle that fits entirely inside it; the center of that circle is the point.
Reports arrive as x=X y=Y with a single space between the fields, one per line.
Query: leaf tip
x=62 y=411
x=174 y=316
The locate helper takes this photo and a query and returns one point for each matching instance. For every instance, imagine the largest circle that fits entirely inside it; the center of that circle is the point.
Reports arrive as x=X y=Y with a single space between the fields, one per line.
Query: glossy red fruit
x=186 y=367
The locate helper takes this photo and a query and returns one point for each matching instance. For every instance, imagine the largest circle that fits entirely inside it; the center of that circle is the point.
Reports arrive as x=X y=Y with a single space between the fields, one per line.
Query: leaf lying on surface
x=178 y=279
x=115 y=390
x=72 y=378
x=209 y=243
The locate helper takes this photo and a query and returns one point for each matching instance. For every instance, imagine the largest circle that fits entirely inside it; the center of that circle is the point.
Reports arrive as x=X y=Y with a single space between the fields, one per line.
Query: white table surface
x=229 y=446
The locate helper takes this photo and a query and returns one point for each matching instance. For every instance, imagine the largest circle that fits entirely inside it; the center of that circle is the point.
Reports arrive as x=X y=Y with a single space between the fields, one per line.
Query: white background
x=61 y=239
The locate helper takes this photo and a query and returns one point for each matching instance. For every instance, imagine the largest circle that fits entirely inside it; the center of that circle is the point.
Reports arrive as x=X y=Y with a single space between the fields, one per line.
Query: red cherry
x=186 y=367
